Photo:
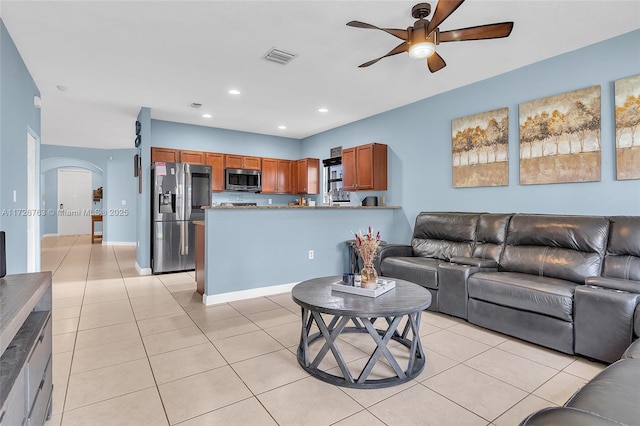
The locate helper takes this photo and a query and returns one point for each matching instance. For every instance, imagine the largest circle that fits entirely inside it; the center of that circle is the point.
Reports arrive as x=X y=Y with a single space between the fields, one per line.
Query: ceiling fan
x=421 y=39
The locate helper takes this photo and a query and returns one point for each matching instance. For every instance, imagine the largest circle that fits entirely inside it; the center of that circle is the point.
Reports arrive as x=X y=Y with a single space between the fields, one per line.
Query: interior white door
x=74 y=201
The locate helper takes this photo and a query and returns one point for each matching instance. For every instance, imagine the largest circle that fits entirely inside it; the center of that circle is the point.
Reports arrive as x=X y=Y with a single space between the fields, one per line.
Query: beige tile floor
x=143 y=350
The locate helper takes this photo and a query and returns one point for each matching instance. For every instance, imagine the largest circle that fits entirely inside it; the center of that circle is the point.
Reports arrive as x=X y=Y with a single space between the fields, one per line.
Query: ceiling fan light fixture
x=422 y=50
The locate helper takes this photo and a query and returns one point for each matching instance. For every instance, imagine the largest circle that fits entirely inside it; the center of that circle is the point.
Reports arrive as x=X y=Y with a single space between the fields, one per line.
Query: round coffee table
x=407 y=299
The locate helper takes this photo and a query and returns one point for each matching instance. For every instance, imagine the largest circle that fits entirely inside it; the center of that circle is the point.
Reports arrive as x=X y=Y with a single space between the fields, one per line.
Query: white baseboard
x=143 y=271
x=214 y=299
x=119 y=243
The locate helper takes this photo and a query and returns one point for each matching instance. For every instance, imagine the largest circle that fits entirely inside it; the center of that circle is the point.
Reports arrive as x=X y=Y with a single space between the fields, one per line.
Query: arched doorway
x=49 y=168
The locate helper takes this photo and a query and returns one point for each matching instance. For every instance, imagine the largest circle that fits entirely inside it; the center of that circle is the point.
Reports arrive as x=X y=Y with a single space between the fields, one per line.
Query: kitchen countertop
x=299 y=207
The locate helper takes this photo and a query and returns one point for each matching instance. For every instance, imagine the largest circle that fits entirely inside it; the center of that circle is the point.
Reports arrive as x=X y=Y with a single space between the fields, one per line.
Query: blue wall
x=17 y=116
x=419 y=139
x=199 y=138
x=248 y=249
x=120 y=185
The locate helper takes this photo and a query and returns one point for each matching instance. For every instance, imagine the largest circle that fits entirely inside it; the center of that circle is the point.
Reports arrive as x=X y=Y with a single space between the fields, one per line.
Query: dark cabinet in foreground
x=26 y=363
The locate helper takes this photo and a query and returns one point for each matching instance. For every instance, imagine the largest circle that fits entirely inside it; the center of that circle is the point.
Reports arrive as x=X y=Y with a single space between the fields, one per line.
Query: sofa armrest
x=391 y=250
x=453 y=294
x=614 y=284
x=394 y=250
x=603 y=321
x=474 y=261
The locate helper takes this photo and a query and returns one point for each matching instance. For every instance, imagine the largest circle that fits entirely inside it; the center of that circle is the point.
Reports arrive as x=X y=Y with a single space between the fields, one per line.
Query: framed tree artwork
x=560 y=138
x=628 y=128
x=480 y=149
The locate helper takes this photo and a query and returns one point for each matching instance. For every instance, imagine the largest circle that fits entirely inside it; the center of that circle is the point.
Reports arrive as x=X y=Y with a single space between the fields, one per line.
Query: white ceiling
x=117 y=56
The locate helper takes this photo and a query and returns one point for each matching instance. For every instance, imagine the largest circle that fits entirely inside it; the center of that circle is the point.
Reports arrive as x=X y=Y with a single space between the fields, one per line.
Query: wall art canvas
x=480 y=149
x=628 y=128
x=560 y=138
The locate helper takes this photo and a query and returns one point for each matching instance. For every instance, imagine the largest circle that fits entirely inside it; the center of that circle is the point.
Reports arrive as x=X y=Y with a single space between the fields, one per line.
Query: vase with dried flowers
x=367 y=245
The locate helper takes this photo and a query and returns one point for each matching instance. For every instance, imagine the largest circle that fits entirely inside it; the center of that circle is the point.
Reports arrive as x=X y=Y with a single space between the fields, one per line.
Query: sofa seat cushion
x=542 y=295
x=419 y=270
x=613 y=393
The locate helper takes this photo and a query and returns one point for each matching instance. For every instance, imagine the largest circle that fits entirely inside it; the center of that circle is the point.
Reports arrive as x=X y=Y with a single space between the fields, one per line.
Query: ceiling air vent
x=195 y=105
x=279 y=56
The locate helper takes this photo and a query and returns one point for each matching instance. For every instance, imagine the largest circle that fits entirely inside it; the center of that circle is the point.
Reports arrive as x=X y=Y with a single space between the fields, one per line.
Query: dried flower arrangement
x=367 y=245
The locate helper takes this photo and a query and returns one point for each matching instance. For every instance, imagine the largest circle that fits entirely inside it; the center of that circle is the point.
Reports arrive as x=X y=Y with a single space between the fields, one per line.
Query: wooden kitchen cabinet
x=276 y=176
x=216 y=161
x=364 y=168
x=242 y=162
x=166 y=155
x=307 y=176
x=252 y=163
x=193 y=157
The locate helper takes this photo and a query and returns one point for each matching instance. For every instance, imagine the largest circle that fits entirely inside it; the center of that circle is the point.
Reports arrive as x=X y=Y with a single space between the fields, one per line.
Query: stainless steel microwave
x=243 y=180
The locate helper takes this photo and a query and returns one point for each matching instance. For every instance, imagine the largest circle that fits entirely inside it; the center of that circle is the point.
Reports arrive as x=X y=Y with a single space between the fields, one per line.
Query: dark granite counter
x=334 y=207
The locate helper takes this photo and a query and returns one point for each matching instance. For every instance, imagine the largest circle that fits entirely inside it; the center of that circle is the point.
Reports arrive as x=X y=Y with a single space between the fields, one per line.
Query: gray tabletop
x=316 y=294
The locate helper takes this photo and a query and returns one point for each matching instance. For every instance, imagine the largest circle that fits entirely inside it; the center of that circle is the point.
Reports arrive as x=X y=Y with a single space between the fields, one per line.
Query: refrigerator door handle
x=188 y=186
x=182 y=239
x=187 y=238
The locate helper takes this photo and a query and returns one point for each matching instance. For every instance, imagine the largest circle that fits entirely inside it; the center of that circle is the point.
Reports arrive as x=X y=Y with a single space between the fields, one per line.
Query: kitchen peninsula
x=253 y=251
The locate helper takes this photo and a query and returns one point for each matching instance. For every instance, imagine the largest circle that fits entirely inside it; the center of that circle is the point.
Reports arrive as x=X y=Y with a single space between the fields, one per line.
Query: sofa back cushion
x=444 y=235
x=623 y=250
x=491 y=236
x=565 y=247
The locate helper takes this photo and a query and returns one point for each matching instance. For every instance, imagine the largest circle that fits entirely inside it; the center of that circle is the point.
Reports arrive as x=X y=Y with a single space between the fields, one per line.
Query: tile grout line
x=155 y=381
x=66 y=391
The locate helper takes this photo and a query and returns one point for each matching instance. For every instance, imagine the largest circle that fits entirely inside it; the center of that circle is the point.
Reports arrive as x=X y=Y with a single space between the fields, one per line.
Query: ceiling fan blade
x=481 y=32
x=401 y=34
x=435 y=62
x=402 y=47
x=444 y=8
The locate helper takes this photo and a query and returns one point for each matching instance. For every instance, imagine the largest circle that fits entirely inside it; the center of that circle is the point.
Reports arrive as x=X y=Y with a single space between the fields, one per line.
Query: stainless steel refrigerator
x=178 y=193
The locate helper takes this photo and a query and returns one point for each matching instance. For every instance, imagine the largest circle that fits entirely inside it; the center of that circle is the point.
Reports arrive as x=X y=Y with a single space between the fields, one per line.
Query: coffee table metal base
x=409 y=337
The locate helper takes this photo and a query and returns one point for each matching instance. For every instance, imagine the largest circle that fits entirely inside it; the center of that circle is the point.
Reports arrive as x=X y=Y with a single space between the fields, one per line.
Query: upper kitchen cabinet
x=364 y=168
x=307 y=173
x=216 y=161
x=193 y=157
x=166 y=155
x=276 y=176
x=242 y=162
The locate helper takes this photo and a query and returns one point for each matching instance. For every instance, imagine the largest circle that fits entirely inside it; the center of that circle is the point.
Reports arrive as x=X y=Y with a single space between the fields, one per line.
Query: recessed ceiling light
x=282 y=127
x=206 y=115
x=323 y=110
x=234 y=92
